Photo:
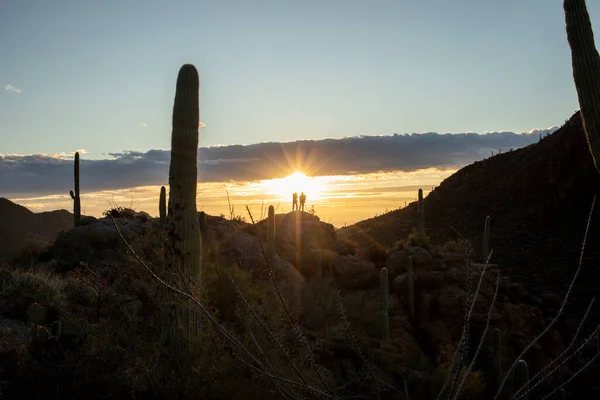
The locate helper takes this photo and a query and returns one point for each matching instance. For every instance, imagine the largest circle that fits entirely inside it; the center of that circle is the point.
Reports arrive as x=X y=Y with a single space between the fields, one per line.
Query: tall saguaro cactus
x=75 y=194
x=486 y=239
x=162 y=206
x=182 y=223
x=384 y=318
x=421 y=217
x=586 y=71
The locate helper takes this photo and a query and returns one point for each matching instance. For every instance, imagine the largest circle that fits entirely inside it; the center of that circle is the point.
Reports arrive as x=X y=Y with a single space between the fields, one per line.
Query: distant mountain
x=538 y=198
x=20 y=227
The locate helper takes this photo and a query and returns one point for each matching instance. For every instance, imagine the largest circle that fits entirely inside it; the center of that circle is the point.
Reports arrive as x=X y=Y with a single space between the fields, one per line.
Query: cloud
x=11 y=88
x=43 y=174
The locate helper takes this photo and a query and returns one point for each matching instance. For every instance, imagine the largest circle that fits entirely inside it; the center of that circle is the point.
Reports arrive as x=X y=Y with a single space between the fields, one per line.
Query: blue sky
x=100 y=75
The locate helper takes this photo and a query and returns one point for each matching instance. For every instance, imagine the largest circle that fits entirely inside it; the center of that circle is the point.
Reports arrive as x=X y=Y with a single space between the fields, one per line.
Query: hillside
x=20 y=227
x=538 y=199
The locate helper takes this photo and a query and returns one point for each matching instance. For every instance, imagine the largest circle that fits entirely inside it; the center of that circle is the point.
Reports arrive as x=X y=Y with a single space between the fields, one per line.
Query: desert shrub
x=375 y=253
x=6 y=276
x=413 y=239
x=31 y=253
x=319 y=310
x=33 y=286
x=347 y=246
x=475 y=383
x=361 y=310
x=454 y=246
x=119 y=212
x=79 y=293
x=401 y=244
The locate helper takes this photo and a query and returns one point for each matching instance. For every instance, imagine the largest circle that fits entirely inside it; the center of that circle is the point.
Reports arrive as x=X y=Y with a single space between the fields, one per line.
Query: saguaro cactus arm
x=586 y=71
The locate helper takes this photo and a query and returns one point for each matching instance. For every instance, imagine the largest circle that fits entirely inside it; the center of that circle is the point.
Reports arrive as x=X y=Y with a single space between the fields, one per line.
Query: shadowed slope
x=537 y=197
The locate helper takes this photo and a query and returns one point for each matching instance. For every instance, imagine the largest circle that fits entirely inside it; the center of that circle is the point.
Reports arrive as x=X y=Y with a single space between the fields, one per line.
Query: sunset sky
x=99 y=77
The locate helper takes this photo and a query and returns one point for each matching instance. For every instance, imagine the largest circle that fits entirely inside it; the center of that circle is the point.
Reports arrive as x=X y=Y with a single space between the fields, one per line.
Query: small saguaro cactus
x=410 y=287
x=421 y=217
x=42 y=334
x=522 y=377
x=57 y=328
x=271 y=235
x=75 y=194
x=271 y=226
x=182 y=225
x=384 y=318
x=162 y=206
x=486 y=239
x=497 y=361
x=586 y=71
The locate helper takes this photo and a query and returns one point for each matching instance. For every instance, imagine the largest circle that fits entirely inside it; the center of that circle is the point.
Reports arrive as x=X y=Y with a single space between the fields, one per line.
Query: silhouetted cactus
x=162 y=206
x=182 y=223
x=521 y=377
x=486 y=239
x=497 y=361
x=410 y=287
x=57 y=328
x=33 y=332
x=183 y=245
x=75 y=195
x=384 y=319
x=586 y=71
x=271 y=226
x=42 y=335
x=421 y=217
x=36 y=313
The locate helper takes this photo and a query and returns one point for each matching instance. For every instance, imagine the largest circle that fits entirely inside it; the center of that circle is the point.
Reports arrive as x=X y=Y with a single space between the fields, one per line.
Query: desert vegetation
x=190 y=305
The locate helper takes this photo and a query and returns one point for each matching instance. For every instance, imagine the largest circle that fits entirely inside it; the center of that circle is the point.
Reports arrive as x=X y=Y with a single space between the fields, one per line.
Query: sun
x=297 y=182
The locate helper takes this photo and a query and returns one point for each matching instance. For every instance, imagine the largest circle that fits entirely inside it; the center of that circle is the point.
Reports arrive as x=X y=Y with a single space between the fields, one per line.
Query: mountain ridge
x=20 y=227
x=538 y=198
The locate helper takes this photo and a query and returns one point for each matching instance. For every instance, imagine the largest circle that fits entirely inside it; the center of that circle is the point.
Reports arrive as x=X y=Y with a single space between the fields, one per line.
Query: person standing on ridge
x=295 y=201
x=302 y=201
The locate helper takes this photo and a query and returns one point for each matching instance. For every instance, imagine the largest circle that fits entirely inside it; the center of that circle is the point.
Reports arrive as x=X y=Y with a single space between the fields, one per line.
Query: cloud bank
x=11 y=88
x=43 y=174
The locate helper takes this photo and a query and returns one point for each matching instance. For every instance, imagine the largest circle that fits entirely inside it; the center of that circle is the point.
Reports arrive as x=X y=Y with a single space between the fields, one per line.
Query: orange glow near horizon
x=338 y=199
x=297 y=182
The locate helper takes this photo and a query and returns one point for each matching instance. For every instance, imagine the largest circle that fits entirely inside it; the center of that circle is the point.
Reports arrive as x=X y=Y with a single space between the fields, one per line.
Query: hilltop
x=538 y=199
x=19 y=227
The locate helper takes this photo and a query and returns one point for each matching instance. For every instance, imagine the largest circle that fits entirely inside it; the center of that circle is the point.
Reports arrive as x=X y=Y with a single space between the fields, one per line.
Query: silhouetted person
x=295 y=201
x=302 y=201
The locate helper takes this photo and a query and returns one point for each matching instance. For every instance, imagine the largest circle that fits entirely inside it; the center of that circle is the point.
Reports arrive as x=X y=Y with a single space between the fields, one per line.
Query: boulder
x=352 y=272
